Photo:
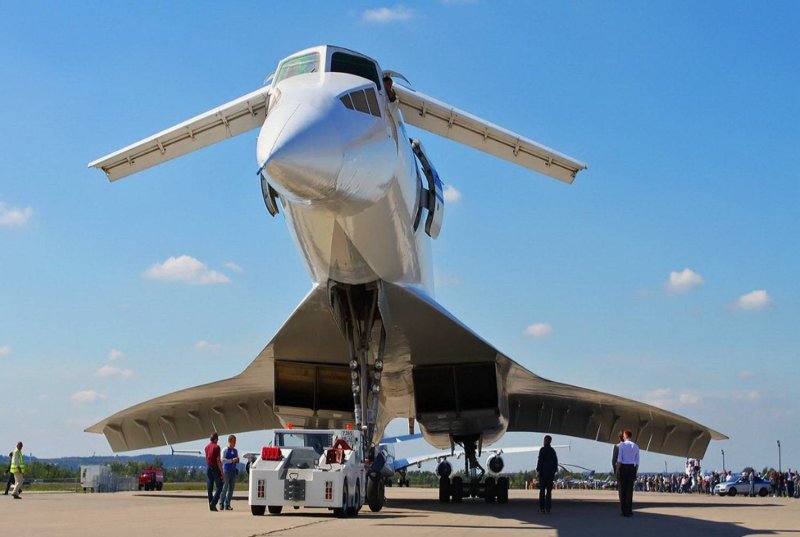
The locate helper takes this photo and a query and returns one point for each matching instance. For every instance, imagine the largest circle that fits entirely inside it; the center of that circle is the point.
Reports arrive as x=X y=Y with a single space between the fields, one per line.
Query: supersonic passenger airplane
x=369 y=343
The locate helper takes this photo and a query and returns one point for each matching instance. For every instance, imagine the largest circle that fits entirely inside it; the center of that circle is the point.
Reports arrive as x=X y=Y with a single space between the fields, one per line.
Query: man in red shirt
x=213 y=471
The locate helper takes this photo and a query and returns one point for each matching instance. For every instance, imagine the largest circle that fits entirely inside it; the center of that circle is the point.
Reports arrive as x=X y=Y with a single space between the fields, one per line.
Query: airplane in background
x=369 y=343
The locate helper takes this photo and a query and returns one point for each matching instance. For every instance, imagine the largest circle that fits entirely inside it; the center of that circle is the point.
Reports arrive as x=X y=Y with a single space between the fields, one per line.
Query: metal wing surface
x=302 y=376
x=226 y=121
x=448 y=121
x=430 y=334
x=242 y=403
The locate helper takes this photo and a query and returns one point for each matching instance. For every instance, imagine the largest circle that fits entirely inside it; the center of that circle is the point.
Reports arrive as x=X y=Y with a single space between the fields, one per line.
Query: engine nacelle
x=444 y=469
x=496 y=464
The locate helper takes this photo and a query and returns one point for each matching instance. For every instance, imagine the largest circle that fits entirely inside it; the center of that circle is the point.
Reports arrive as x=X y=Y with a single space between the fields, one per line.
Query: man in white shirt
x=627 y=467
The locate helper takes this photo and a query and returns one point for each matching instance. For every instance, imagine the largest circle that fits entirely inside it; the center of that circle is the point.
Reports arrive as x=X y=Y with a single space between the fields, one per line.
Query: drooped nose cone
x=302 y=151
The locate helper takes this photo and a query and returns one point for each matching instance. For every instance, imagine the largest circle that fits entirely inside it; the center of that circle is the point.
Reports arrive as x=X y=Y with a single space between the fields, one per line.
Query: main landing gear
x=356 y=310
x=472 y=485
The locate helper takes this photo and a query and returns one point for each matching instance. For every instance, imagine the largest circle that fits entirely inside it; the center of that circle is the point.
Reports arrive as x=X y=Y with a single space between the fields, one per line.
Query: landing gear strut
x=472 y=485
x=356 y=309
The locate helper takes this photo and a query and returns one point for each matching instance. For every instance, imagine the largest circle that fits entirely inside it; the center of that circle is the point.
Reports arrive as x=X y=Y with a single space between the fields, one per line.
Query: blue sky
x=687 y=114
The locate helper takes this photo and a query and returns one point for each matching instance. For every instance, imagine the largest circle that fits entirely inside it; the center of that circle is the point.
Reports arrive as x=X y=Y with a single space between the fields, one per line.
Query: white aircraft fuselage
x=347 y=179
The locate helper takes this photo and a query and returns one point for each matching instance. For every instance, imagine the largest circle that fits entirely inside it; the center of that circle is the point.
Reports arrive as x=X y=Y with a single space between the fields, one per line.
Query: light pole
x=665 y=467
x=779 y=457
x=723 y=460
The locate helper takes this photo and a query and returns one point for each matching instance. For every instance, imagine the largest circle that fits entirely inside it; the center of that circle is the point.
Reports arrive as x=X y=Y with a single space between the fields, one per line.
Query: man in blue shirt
x=627 y=467
x=230 y=458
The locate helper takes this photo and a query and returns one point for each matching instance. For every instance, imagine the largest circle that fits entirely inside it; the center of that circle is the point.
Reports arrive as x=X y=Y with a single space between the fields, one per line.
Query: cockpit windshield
x=299 y=65
x=318 y=441
x=341 y=62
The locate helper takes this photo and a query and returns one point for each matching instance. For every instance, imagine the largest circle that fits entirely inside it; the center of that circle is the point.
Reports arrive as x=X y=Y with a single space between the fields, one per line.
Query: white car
x=309 y=468
x=741 y=485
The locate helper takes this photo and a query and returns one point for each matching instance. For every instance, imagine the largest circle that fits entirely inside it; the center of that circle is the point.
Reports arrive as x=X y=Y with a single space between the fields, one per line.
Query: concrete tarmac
x=408 y=511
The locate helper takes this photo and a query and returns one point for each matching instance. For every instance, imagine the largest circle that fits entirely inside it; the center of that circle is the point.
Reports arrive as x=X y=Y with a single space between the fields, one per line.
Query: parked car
x=741 y=485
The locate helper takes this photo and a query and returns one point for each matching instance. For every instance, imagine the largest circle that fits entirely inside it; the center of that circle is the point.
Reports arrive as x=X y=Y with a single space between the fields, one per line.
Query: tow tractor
x=311 y=468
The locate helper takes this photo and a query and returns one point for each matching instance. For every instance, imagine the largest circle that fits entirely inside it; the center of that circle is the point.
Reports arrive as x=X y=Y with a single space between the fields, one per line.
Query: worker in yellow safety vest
x=17 y=469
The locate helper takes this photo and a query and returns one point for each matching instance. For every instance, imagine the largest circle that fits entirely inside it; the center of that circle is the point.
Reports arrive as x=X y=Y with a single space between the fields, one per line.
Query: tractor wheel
x=342 y=511
x=258 y=510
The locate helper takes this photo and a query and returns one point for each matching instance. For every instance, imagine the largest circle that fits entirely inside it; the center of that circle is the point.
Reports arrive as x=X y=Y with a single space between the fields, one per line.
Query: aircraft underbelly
x=376 y=242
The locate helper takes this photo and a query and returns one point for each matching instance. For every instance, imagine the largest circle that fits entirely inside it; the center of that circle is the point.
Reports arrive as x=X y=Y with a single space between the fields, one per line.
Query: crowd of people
x=781 y=484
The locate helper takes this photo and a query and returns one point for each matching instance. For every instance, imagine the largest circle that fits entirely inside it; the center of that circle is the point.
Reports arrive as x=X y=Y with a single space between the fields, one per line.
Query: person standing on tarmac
x=230 y=458
x=546 y=468
x=627 y=466
x=17 y=469
x=213 y=471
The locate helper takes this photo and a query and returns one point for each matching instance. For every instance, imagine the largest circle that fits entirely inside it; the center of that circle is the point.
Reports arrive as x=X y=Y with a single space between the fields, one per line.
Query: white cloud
x=753 y=396
x=234 y=267
x=539 y=330
x=185 y=269
x=688 y=399
x=87 y=396
x=114 y=355
x=14 y=216
x=451 y=195
x=755 y=300
x=746 y=374
x=388 y=14
x=110 y=371
x=204 y=345
x=5 y=350
x=683 y=281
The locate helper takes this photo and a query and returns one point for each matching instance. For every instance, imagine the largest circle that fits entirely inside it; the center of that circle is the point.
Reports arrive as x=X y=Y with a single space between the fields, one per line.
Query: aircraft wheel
x=258 y=510
x=273 y=509
x=489 y=490
x=444 y=489
x=457 y=490
x=732 y=492
x=375 y=493
x=502 y=490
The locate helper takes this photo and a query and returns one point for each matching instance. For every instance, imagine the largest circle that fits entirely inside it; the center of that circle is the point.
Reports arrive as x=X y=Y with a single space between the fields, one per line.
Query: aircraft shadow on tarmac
x=577 y=517
x=570 y=517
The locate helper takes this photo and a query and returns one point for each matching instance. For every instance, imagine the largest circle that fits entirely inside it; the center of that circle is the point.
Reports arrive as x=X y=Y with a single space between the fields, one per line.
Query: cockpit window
x=363 y=100
x=342 y=62
x=299 y=65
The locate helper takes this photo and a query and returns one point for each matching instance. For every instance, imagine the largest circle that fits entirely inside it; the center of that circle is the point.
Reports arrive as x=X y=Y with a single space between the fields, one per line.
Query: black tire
x=274 y=509
x=140 y=487
x=159 y=486
x=341 y=512
x=732 y=492
x=375 y=493
x=356 y=507
x=457 y=489
x=258 y=510
x=489 y=491
x=502 y=490
x=762 y=492
x=444 y=489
